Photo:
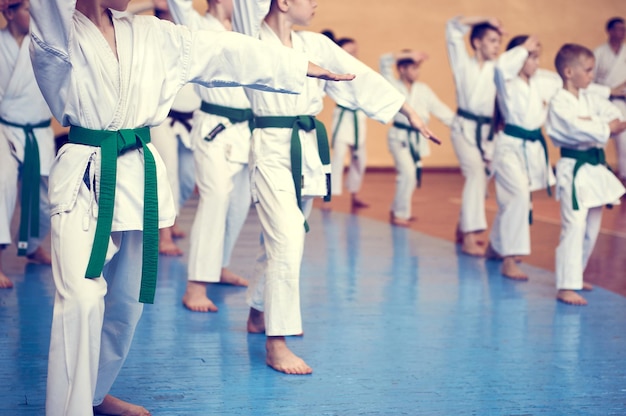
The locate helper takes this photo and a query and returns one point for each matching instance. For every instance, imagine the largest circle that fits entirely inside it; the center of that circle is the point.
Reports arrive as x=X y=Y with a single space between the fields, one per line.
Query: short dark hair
x=405 y=61
x=568 y=54
x=329 y=34
x=612 y=22
x=344 y=41
x=479 y=31
x=516 y=41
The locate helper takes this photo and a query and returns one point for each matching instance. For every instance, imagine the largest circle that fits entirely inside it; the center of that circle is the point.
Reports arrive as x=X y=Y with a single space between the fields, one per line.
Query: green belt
x=414 y=151
x=593 y=156
x=297 y=123
x=31 y=180
x=480 y=121
x=356 y=125
x=234 y=115
x=530 y=136
x=114 y=144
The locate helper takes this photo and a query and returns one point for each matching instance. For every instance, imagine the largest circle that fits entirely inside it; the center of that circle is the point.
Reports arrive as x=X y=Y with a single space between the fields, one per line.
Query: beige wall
x=382 y=26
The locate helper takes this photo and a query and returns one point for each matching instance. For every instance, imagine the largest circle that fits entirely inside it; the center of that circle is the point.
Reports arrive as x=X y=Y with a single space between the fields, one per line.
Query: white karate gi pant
x=9 y=173
x=224 y=188
x=579 y=232
x=472 y=216
x=356 y=167
x=178 y=160
x=275 y=286
x=94 y=319
x=620 y=143
x=510 y=234
x=406 y=181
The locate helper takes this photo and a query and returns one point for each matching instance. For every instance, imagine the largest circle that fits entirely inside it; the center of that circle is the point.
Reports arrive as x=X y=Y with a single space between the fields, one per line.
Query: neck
x=524 y=77
x=17 y=34
x=615 y=44
x=480 y=58
x=219 y=12
x=93 y=11
x=571 y=88
x=279 y=23
x=408 y=84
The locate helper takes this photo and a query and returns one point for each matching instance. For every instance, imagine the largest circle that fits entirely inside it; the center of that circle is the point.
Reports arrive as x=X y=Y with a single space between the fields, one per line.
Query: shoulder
x=314 y=38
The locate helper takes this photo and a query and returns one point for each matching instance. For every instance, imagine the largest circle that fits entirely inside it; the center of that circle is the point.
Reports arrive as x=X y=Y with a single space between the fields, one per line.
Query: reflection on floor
x=396 y=322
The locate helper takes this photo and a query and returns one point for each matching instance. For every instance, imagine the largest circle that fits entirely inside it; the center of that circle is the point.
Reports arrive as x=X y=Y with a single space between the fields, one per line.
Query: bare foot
x=588 y=287
x=229 y=278
x=459 y=236
x=357 y=203
x=471 y=246
x=5 y=282
x=169 y=248
x=570 y=297
x=511 y=270
x=256 y=322
x=114 y=406
x=492 y=254
x=40 y=256
x=282 y=359
x=195 y=298
x=177 y=232
x=399 y=222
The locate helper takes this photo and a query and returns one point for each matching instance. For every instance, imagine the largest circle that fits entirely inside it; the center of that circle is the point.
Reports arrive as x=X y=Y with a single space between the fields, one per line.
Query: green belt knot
x=31 y=179
x=297 y=123
x=593 y=156
x=112 y=145
x=480 y=122
x=413 y=148
x=532 y=136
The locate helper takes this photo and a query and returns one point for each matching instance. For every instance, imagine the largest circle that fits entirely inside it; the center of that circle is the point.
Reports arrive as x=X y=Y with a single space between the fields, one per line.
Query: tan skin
x=576 y=76
x=486 y=49
x=283 y=16
x=18 y=19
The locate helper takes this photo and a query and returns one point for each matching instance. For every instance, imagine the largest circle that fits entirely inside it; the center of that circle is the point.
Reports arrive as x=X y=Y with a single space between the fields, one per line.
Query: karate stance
x=27 y=145
x=580 y=123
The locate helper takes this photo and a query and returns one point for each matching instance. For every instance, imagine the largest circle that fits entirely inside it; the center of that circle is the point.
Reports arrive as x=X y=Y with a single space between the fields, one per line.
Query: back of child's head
x=516 y=41
x=569 y=55
x=612 y=22
x=479 y=31
x=329 y=34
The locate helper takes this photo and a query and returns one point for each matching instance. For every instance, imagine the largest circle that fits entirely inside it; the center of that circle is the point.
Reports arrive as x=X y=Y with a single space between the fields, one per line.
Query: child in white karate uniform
x=471 y=130
x=291 y=163
x=348 y=136
x=580 y=123
x=611 y=71
x=221 y=159
x=405 y=144
x=26 y=141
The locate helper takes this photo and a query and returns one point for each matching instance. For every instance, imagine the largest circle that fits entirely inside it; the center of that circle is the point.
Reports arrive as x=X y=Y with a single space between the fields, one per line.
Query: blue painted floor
x=396 y=323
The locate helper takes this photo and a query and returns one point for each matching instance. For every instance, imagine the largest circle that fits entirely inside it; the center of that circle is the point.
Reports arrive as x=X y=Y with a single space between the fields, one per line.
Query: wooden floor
x=396 y=321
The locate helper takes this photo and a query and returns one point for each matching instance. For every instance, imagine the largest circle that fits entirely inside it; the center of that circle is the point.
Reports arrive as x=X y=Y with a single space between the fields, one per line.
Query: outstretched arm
x=316 y=71
x=417 y=123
